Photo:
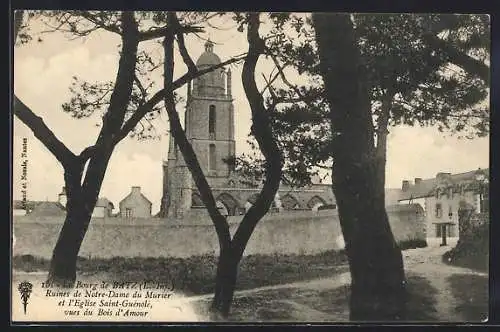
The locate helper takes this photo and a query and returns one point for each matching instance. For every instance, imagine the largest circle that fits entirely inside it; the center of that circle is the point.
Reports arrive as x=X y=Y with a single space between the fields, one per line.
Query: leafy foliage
x=422 y=86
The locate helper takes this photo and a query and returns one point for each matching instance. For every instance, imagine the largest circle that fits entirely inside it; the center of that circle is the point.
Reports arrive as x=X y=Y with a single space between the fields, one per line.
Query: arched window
x=230 y=204
x=289 y=202
x=196 y=200
x=211 y=121
x=212 y=161
x=315 y=202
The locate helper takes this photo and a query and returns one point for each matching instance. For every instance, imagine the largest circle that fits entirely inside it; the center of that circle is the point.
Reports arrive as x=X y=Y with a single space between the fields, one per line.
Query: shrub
x=412 y=244
x=471 y=250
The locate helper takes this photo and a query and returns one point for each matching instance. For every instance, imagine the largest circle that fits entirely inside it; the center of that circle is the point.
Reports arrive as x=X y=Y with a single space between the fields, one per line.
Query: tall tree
x=231 y=249
x=124 y=103
x=404 y=81
x=376 y=265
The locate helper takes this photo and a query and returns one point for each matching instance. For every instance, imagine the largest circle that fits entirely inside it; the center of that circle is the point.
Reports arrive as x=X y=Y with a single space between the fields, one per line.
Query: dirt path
x=317 y=284
x=425 y=262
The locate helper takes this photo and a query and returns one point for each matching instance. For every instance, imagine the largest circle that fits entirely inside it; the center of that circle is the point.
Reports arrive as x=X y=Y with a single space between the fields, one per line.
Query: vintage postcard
x=250 y=167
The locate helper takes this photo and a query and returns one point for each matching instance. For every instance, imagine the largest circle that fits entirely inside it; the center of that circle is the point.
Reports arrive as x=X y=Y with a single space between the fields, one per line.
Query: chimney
x=406 y=185
x=418 y=180
x=136 y=190
x=62 y=197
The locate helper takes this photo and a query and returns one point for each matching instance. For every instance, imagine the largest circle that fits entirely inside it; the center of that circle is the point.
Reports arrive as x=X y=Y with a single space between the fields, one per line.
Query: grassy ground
x=195 y=275
x=324 y=304
x=471 y=291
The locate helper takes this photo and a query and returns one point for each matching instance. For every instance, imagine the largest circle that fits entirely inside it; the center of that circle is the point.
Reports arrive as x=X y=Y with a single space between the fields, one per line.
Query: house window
x=128 y=213
x=212 y=162
x=439 y=210
x=211 y=121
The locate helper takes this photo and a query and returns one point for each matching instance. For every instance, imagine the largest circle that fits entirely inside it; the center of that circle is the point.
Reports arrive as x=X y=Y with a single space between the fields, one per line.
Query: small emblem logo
x=25 y=288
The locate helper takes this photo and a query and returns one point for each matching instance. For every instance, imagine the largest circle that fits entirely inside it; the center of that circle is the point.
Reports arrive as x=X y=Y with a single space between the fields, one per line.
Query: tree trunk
x=375 y=261
x=225 y=284
x=62 y=271
x=376 y=265
x=382 y=132
x=79 y=207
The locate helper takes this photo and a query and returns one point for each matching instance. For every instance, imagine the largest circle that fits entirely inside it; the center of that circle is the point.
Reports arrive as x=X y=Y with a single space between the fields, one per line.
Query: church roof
x=208 y=58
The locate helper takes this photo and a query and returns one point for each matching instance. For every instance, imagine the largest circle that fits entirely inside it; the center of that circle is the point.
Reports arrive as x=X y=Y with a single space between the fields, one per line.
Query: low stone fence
x=290 y=232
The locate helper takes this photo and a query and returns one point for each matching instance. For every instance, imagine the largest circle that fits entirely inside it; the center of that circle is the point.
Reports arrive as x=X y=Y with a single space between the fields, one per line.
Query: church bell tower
x=209 y=126
x=210 y=118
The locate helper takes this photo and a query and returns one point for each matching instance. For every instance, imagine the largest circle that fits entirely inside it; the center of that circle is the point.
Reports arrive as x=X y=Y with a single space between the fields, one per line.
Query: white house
x=440 y=197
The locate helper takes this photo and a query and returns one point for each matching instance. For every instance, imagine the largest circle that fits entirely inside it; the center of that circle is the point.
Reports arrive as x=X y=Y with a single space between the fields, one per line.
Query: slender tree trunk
x=225 y=284
x=382 y=132
x=231 y=250
x=229 y=259
x=62 y=271
x=377 y=288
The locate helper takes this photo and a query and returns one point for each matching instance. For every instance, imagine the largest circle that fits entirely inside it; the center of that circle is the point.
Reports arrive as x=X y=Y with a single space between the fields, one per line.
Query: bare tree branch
x=182 y=46
x=99 y=23
x=160 y=32
x=43 y=133
x=122 y=89
x=141 y=88
x=158 y=96
x=283 y=77
x=269 y=81
x=263 y=133
x=219 y=221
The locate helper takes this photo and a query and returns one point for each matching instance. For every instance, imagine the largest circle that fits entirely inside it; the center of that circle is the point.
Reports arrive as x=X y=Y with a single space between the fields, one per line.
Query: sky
x=42 y=75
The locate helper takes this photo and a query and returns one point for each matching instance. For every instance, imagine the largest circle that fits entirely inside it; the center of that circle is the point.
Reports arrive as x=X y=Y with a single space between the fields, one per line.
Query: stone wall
x=293 y=232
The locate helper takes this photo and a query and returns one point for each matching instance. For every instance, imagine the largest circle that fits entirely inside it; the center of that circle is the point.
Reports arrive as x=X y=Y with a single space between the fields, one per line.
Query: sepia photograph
x=250 y=167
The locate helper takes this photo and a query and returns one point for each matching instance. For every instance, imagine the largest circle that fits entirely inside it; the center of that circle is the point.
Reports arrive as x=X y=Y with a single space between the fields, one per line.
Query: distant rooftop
x=426 y=187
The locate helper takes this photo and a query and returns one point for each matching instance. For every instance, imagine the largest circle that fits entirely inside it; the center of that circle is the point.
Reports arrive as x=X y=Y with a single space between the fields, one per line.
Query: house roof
x=31 y=205
x=104 y=202
x=392 y=194
x=406 y=208
x=48 y=209
x=427 y=187
x=141 y=194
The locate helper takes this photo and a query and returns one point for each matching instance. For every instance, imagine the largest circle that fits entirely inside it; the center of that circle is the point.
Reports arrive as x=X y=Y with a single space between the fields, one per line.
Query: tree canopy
x=420 y=69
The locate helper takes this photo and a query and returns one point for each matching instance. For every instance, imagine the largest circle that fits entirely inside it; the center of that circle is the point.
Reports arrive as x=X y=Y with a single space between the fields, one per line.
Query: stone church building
x=209 y=125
